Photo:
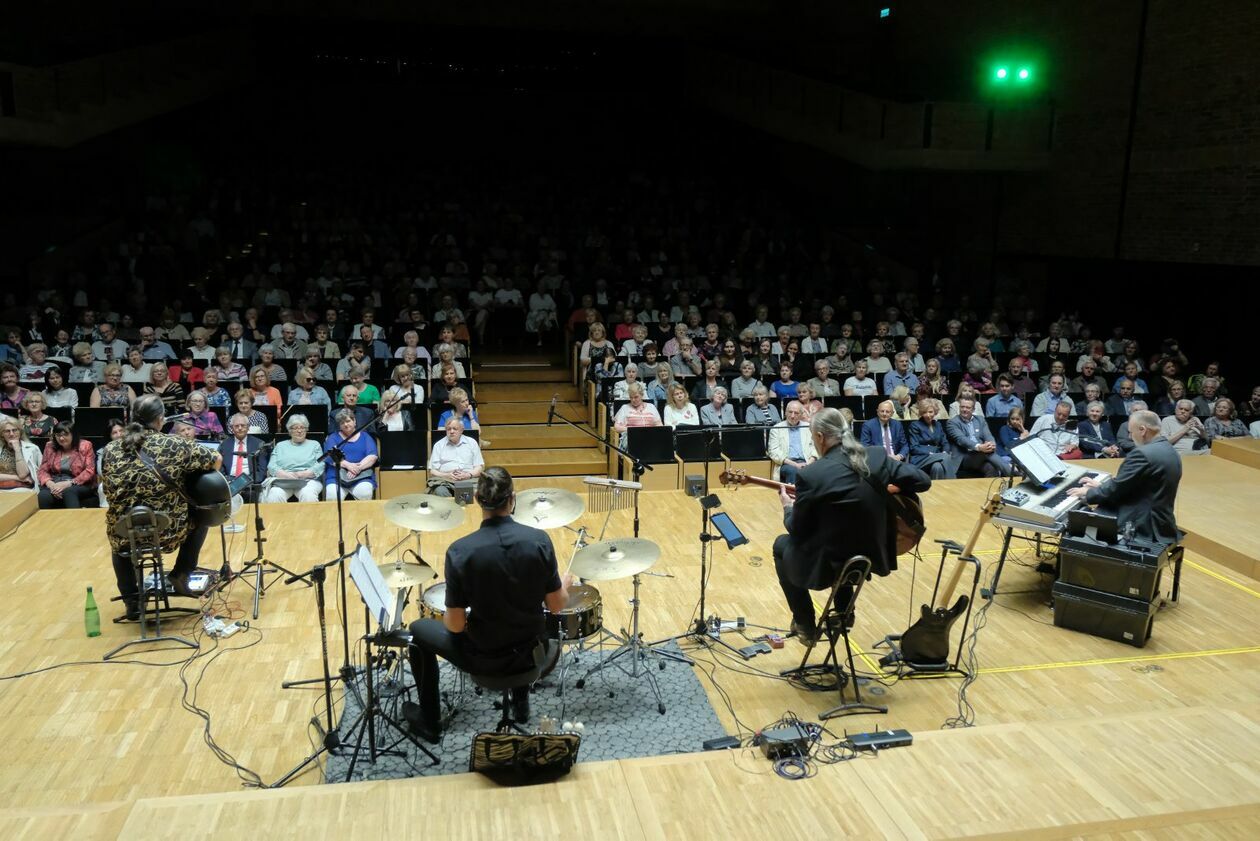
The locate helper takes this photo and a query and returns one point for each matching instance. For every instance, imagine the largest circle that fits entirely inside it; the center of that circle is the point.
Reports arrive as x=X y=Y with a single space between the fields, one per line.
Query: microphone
x=551 y=413
x=173 y=418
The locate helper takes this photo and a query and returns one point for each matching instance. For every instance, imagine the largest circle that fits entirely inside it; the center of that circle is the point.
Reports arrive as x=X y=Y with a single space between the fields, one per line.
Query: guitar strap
x=152 y=464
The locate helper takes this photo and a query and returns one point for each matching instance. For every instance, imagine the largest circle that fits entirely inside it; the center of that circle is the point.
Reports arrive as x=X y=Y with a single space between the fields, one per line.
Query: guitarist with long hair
x=840 y=511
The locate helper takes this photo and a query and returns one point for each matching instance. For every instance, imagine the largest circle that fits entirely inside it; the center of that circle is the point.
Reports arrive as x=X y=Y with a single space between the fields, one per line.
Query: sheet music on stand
x=372 y=588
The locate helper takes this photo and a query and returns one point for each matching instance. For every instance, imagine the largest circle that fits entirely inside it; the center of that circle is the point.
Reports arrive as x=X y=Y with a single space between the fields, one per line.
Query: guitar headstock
x=993 y=504
x=734 y=477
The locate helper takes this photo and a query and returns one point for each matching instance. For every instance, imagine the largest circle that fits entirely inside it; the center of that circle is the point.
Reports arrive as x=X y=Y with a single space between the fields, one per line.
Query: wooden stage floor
x=1075 y=735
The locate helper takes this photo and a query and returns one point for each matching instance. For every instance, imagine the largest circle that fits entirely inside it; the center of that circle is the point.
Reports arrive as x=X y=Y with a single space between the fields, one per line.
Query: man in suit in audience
x=1123 y=401
x=241 y=347
x=886 y=432
x=973 y=441
x=1144 y=491
x=235 y=452
x=1123 y=439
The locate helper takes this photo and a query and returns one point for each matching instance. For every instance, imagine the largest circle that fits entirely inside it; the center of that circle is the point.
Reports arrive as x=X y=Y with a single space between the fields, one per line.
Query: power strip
x=880 y=739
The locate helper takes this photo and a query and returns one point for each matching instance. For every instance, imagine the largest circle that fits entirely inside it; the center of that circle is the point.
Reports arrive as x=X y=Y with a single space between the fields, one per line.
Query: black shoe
x=808 y=636
x=133 y=612
x=179 y=584
x=430 y=732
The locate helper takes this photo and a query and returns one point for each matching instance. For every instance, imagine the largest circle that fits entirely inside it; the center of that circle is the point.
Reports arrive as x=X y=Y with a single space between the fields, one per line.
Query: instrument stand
x=330 y=739
x=990 y=592
x=891 y=641
x=632 y=643
x=366 y=725
x=260 y=565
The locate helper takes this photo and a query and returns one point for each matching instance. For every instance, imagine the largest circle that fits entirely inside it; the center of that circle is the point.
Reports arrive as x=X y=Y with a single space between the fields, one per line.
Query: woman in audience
x=608 y=371
x=170 y=393
x=743 y=385
x=267 y=361
x=1167 y=405
x=56 y=394
x=405 y=391
x=1093 y=393
x=810 y=404
x=840 y=362
x=935 y=378
x=1097 y=438
x=316 y=366
x=860 y=385
x=186 y=373
x=114 y=429
x=462 y=408
x=446 y=356
x=792 y=356
x=1224 y=422
x=1011 y=434
x=329 y=349
x=621 y=388
x=964 y=390
x=979 y=377
x=1211 y=371
x=982 y=356
x=356 y=478
x=441 y=387
x=989 y=332
x=295 y=466
x=924 y=392
x=761 y=411
x=265 y=394
x=396 y=418
x=112 y=391
x=67 y=473
x=729 y=360
x=61 y=347
x=85 y=368
x=368 y=393
x=215 y=396
x=680 y=411
x=135 y=371
x=903 y=403
x=946 y=358
x=19 y=458
x=658 y=388
x=1096 y=351
x=201 y=347
x=647 y=365
x=929 y=450
x=229 y=371
x=702 y=391
x=37 y=422
x=638 y=412
x=304 y=391
x=766 y=363
x=258 y=423
x=1057 y=366
x=785 y=386
x=204 y=422
x=1023 y=352
x=541 y=316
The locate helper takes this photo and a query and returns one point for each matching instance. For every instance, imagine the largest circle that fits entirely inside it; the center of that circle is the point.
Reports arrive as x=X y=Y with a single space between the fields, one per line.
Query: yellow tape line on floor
x=1231 y=582
x=1136 y=658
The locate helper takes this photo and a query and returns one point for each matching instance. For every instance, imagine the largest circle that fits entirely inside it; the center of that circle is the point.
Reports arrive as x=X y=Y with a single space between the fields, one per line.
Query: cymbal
x=424 y=512
x=400 y=576
x=548 y=508
x=612 y=559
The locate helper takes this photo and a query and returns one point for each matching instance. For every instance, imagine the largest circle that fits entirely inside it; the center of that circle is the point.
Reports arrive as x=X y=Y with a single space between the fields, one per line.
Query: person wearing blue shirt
x=901 y=375
x=461 y=408
x=1001 y=404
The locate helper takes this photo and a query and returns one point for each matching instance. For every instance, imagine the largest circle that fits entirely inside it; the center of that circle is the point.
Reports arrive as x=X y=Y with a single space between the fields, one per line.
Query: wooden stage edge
x=15 y=508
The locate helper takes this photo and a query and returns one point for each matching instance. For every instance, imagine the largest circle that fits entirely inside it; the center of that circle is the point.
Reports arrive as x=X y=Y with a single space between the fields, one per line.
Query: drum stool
x=545 y=655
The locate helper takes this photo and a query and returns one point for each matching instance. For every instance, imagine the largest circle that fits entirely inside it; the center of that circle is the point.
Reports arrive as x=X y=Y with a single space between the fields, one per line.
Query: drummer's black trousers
x=429 y=640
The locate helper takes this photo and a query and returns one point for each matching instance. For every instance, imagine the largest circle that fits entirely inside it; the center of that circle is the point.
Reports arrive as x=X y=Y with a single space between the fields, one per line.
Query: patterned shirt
x=130 y=482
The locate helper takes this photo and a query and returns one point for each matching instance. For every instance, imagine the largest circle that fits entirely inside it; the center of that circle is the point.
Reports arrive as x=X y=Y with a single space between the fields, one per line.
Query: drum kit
x=580 y=624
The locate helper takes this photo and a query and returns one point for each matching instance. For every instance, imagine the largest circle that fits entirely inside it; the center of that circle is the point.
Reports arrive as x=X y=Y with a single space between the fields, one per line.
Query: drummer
x=497 y=581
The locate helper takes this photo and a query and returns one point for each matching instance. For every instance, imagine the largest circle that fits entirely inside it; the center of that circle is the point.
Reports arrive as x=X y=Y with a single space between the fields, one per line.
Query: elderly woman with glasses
x=355 y=477
x=296 y=466
x=67 y=474
x=19 y=458
x=204 y=422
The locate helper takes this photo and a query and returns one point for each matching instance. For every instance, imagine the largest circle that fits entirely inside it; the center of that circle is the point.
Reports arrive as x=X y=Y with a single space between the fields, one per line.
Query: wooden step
x=586 y=461
x=535 y=436
x=484 y=374
x=494 y=414
x=517 y=392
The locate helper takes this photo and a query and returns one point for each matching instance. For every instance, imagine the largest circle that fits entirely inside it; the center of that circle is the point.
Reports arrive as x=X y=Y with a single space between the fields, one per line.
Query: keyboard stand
x=1010 y=526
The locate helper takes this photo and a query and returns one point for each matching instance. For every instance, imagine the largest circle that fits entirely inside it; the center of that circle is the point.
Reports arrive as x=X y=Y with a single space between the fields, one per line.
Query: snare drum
x=433 y=602
x=582 y=617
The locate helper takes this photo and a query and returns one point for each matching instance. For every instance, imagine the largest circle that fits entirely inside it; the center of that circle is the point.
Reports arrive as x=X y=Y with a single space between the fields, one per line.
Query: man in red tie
x=236 y=452
x=885 y=431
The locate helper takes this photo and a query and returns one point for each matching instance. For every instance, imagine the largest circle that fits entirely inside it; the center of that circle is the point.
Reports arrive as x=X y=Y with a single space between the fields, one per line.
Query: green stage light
x=1024 y=73
x=1001 y=73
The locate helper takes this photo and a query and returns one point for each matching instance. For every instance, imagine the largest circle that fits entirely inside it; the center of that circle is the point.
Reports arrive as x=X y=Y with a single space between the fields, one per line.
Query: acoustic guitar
x=926 y=642
x=906 y=508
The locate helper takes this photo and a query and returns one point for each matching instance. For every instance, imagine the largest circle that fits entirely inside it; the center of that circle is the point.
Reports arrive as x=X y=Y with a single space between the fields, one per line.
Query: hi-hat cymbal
x=612 y=559
x=424 y=512
x=398 y=576
x=547 y=508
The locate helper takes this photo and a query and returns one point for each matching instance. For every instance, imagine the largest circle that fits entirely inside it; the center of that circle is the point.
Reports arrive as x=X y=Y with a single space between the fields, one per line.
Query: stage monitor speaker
x=464 y=490
x=695 y=484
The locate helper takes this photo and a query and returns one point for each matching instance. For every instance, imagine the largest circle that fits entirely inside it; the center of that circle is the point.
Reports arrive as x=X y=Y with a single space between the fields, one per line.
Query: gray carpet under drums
x=619 y=713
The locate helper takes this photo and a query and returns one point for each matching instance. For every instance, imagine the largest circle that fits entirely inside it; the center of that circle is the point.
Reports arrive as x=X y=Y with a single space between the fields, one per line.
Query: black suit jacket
x=227 y=449
x=1144 y=491
x=839 y=514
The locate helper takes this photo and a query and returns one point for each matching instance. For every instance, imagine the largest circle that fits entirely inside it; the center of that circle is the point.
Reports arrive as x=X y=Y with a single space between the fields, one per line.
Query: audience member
x=790 y=446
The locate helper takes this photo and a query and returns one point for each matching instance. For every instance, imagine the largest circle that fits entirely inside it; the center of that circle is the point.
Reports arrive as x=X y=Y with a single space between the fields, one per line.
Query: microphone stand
x=259 y=563
x=337 y=455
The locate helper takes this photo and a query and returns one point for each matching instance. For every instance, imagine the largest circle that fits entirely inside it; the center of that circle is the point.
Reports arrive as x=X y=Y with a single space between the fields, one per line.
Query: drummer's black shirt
x=501 y=572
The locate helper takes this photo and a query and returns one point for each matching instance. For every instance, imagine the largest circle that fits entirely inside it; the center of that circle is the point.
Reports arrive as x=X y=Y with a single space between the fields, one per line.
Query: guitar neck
x=768 y=483
x=951 y=584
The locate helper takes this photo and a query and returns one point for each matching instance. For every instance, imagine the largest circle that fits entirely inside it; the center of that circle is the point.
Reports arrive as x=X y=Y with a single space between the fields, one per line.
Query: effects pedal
x=880 y=739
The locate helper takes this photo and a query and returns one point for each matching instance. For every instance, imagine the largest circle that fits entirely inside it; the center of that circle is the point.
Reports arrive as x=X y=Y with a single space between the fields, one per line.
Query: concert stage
x=1075 y=735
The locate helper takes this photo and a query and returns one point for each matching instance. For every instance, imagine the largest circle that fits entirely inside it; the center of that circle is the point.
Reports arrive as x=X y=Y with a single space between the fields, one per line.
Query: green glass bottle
x=91 y=616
